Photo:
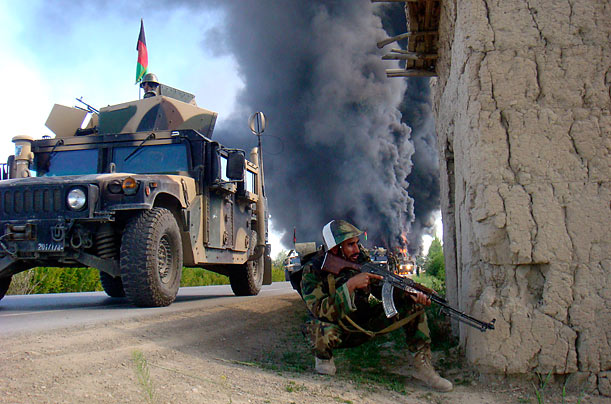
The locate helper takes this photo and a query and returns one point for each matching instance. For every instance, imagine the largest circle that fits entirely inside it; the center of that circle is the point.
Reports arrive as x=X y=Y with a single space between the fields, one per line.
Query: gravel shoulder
x=232 y=353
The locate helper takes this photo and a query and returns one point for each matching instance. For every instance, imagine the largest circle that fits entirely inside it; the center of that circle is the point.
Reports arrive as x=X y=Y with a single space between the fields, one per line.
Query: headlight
x=130 y=186
x=76 y=199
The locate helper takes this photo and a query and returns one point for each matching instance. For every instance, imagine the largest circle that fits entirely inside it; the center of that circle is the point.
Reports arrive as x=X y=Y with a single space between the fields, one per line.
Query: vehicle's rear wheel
x=151 y=258
x=113 y=286
x=4 y=284
x=247 y=280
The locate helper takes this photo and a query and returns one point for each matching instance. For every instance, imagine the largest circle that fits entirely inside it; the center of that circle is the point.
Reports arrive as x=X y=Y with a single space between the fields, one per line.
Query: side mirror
x=8 y=168
x=235 y=166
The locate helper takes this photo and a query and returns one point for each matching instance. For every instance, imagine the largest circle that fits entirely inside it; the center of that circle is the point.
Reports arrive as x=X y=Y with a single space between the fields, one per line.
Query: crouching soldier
x=343 y=315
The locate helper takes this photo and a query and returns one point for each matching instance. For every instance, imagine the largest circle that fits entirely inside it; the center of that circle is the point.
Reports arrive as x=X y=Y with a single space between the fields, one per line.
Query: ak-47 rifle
x=335 y=264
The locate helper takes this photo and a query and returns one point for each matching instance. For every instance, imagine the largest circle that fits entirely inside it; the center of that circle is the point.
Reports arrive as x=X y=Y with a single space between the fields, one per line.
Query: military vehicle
x=378 y=255
x=139 y=192
x=292 y=262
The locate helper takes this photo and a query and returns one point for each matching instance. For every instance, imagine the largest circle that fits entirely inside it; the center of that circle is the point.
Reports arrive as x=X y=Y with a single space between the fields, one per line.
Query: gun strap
x=357 y=328
x=394 y=326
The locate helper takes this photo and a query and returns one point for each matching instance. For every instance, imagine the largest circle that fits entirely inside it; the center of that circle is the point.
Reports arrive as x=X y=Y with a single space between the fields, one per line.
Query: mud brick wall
x=522 y=107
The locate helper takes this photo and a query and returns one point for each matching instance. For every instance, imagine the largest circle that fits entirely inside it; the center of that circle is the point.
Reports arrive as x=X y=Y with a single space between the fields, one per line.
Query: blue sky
x=53 y=54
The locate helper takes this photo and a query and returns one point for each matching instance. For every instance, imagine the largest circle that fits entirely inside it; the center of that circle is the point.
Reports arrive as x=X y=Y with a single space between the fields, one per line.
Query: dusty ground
x=230 y=354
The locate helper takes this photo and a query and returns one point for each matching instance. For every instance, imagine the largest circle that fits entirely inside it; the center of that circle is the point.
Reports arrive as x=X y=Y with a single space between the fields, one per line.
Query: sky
x=56 y=51
x=47 y=60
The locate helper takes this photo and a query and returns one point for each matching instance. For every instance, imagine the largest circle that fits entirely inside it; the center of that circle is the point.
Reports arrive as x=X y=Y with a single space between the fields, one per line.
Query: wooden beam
x=399 y=37
x=420 y=55
x=410 y=56
x=409 y=73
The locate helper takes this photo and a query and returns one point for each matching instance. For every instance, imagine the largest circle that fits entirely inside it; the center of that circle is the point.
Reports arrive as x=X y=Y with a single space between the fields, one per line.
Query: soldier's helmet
x=337 y=231
x=149 y=78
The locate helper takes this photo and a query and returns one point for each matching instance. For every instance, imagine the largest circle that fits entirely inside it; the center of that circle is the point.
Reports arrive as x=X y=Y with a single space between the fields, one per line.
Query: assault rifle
x=335 y=264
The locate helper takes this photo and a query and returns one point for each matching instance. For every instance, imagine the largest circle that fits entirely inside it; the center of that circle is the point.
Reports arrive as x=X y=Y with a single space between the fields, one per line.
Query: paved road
x=33 y=313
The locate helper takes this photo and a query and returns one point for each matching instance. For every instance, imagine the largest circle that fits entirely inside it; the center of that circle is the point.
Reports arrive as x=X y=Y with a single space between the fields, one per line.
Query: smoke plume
x=337 y=144
x=416 y=113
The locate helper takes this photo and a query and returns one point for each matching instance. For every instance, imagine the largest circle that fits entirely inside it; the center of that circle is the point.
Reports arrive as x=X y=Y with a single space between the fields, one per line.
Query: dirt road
x=234 y=353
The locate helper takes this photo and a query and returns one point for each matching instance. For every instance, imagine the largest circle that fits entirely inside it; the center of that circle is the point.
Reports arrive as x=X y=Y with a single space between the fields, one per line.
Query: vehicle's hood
x=73 y=179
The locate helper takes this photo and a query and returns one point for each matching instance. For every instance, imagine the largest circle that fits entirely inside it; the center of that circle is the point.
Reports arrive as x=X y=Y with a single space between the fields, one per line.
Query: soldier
x=343 y=315
x=393 y=265
x=150 y=85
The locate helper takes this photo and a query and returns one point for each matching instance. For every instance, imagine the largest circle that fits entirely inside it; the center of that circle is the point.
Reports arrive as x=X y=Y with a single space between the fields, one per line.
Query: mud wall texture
x=522 y=106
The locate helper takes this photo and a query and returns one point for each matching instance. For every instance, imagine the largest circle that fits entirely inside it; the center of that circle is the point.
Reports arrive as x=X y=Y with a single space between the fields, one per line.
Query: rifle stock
x=334 y=264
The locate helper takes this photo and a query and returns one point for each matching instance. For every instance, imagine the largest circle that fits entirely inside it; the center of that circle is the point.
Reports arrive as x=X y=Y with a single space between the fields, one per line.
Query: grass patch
x=65 y=280
x=203 y=277
x=144 y=377
x=292 y=387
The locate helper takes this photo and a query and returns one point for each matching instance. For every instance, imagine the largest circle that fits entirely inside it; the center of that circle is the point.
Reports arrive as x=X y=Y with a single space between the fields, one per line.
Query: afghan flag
x=143 y=56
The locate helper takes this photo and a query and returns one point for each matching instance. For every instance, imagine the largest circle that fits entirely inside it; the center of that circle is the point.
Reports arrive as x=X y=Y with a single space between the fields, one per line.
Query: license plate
x=49 y=247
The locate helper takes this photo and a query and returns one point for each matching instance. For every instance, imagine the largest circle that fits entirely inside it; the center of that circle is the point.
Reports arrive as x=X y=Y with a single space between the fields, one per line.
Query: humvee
x=139 y=192
x=294 y=260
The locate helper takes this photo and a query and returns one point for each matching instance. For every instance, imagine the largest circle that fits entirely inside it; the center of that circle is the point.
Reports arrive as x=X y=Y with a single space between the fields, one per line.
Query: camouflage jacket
x=333 y=307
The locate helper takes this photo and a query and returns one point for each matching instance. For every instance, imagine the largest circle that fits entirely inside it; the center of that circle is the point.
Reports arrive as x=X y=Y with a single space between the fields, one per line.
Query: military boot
x=325 y=366
x=423 y=370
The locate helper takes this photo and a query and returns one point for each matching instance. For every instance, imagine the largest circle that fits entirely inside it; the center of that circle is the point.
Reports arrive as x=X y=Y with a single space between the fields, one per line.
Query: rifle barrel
x=410 y=286
x=335 y=264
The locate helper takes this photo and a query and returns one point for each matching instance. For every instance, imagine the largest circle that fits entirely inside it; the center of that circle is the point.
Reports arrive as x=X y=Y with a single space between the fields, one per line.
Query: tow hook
x=58 y=232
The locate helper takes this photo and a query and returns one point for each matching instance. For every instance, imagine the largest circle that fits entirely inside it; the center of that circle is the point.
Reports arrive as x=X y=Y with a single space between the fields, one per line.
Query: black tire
x=111 y=285
x=247 y=280
x=4 y=285
x=151 y=258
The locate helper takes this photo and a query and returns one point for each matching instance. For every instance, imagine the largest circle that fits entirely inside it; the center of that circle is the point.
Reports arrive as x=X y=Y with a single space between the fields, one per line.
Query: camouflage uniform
x=328 y=327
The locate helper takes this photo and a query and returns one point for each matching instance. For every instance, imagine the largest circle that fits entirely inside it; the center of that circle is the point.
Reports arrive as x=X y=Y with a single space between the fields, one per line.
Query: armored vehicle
x=139 y=192
x=294 y=260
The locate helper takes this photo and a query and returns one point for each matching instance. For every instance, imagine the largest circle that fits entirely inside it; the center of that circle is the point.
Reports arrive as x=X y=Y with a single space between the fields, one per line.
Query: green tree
x=434 y=263
x=278 y=262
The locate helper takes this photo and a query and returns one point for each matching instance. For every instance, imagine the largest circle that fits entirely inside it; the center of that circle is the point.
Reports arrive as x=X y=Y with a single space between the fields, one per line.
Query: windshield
x=67 y=162
x=156 y=159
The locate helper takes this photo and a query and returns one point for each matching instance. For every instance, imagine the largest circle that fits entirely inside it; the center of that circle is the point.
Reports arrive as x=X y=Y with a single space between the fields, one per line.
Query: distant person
x=343 y=315
x=150 y=85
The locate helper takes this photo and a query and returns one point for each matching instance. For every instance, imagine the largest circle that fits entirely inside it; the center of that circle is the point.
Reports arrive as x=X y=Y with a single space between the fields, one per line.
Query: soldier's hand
x=421 y=298
x=361 y=281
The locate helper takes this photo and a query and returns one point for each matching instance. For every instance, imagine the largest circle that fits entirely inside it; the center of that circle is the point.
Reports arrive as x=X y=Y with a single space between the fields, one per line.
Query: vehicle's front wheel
x=111 y=285
x=151 y=258
x=247 y=280
x=4 y=284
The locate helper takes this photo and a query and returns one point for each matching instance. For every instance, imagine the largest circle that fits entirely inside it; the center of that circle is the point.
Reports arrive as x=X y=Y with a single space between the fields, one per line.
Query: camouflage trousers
x=324 y=336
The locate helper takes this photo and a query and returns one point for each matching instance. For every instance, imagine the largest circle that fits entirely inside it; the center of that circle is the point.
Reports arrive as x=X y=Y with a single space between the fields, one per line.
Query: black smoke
x=337 y=143
x=416 y=113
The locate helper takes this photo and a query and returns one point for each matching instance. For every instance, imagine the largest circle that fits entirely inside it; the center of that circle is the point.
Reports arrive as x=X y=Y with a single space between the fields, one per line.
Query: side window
x=249 y=182
x=224 y=168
